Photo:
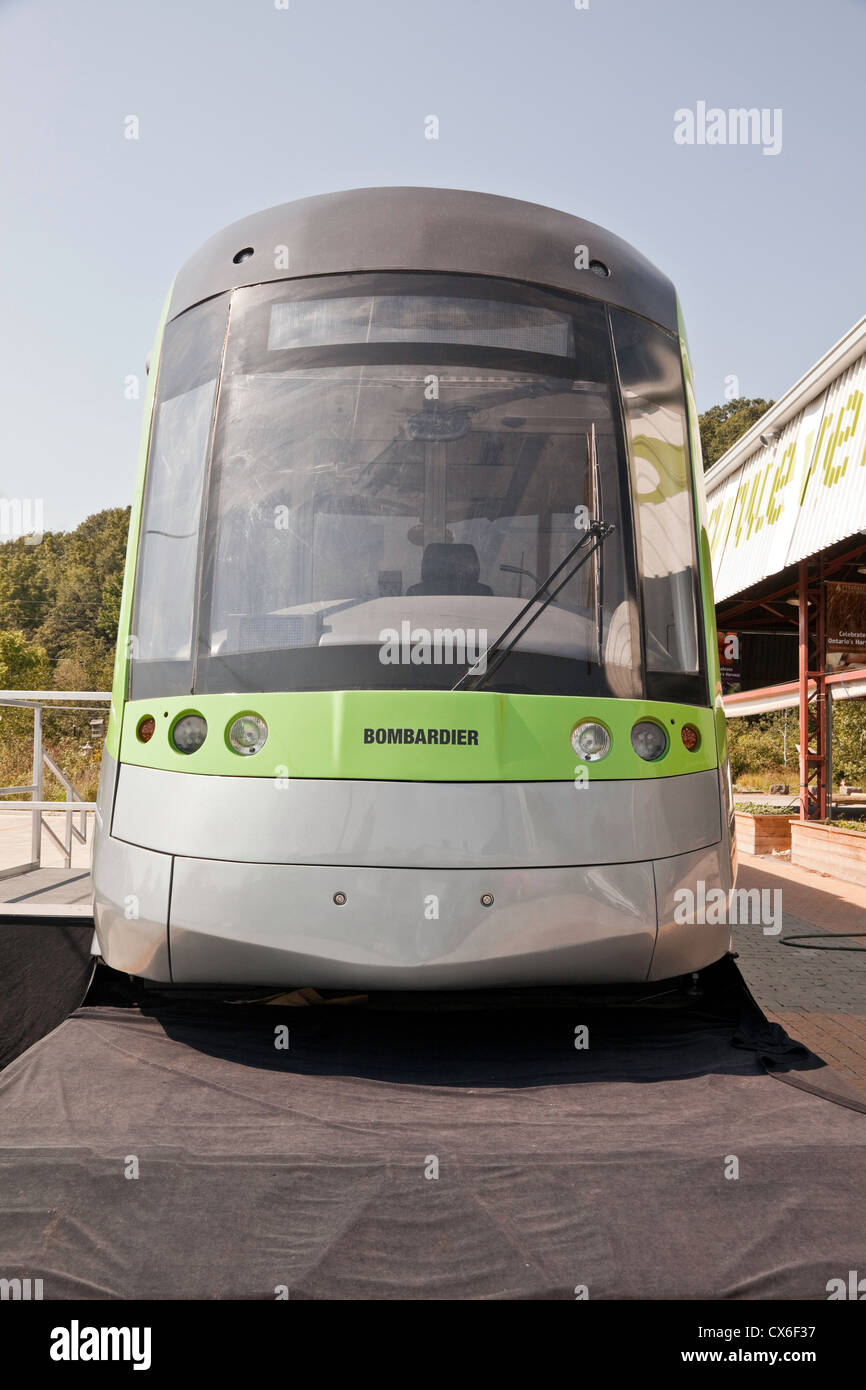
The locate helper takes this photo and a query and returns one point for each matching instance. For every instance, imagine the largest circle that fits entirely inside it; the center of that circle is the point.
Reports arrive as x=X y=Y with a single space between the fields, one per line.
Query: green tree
x=849 y=740
x=23 y=665
x=85 y=580
x=722 y=425
x=24 y=587
x=756 y=743
x=59 y=606
x=90 y=668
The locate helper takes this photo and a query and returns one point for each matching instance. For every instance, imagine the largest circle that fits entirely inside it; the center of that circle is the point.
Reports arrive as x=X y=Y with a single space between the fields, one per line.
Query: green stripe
x=119 y=686
x=321 y=734
x=704 y=553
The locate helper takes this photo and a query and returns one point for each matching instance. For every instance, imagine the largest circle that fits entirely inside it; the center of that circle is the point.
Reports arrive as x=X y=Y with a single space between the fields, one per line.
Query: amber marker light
x=691 y=737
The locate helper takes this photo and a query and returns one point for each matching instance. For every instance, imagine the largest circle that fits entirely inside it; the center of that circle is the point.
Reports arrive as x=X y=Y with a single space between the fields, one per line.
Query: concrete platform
x=51 y=890
x=15 y=830
x=47 y=893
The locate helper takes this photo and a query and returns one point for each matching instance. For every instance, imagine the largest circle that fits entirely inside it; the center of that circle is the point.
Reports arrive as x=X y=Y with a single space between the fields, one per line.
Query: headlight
x=590 y=741
x=649 y=740
x=189 y=733
x=248 y=734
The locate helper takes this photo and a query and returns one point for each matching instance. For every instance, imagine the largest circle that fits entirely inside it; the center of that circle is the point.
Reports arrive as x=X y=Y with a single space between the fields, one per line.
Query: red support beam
x=813 y=711
x=821 y=694
x=803 y=596
x=731 y=609
x=743 y=697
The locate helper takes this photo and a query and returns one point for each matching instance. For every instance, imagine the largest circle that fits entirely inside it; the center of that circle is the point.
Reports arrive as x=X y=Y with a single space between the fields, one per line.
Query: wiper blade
x=597 y=572
x=597 y=533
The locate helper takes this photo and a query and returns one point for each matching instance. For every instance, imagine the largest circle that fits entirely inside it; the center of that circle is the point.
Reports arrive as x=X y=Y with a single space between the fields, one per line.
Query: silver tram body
x=381 y=412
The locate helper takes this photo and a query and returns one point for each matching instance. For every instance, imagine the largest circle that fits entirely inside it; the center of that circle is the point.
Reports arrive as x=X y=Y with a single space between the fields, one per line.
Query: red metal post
x=804 y=690
x=821 y=692
x=813 y=717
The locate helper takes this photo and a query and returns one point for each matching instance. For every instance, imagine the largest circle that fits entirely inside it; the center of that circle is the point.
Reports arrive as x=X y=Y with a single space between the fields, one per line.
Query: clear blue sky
x=243 y=105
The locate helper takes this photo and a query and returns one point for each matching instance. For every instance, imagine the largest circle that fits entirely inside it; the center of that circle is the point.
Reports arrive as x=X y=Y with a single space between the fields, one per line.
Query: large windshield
x=366 y=485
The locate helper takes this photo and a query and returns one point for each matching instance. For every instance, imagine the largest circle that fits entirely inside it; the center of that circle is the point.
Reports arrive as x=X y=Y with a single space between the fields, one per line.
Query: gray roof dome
x=425 y=229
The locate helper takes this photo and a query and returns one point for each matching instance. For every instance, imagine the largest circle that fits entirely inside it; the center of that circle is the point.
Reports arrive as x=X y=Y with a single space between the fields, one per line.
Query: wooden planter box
x=761 y=834
x=829 y=849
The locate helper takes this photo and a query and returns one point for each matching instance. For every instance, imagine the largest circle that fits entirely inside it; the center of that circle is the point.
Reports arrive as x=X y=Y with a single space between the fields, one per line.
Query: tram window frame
x=190 y=358
x=683 y=686
x=214 y=671
x=205 y=672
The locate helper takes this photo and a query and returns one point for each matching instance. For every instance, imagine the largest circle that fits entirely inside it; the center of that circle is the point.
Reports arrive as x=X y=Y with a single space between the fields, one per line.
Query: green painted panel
x=121 y=664
x=704 y=552
x=511 y=738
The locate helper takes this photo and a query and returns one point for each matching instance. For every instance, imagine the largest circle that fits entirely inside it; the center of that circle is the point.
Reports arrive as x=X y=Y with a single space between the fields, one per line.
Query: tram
x=417 y=680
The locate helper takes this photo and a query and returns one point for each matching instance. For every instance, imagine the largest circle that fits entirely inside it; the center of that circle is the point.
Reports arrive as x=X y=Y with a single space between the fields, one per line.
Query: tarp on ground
x=175 y=1151
x=45 y=969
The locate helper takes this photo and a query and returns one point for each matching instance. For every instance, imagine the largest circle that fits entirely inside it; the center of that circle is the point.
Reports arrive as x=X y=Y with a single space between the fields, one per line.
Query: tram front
x=413 y=686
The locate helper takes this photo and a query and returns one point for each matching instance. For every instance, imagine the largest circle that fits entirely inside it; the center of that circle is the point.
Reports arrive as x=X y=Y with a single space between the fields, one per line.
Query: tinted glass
x=421 y=475
x=362 y=483
x=650 y=374
x=165 y=597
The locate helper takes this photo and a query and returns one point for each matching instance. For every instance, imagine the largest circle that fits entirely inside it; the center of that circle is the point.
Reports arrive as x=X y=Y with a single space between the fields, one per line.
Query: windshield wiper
x=596 y=511
x=597 y=533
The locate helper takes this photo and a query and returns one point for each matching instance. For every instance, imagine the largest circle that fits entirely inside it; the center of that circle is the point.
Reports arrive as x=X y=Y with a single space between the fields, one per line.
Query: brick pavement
x=817 y=995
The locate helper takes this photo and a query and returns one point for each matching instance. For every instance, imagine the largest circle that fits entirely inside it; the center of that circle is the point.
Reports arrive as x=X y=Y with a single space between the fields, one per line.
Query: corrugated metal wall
x=796 y=496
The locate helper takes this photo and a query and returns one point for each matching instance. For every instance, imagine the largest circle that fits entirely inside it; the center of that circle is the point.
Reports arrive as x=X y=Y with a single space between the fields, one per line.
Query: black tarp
x=307 y=1168
x=45 y=968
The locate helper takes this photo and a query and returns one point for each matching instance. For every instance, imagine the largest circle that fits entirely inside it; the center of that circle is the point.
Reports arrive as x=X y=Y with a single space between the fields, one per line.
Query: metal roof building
x=787 y=528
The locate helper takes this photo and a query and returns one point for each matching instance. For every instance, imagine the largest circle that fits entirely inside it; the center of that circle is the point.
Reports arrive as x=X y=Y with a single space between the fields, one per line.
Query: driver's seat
x=449 y=569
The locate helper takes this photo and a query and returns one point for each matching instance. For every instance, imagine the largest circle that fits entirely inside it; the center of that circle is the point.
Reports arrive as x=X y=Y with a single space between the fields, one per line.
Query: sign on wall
x=845 y=623
x=795 y=495
x=729 y=662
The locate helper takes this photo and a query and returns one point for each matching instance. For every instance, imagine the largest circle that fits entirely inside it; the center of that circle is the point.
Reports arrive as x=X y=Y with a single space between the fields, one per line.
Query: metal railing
x=73 y=805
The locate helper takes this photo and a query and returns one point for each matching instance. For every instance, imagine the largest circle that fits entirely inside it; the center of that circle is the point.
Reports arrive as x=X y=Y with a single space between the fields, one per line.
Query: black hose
x=820 y=936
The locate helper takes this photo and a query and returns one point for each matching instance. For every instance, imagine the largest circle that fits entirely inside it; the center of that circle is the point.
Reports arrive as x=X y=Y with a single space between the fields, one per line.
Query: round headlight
x=248 y=734
x=590 y=741
x=649 y=740
x=189 y=733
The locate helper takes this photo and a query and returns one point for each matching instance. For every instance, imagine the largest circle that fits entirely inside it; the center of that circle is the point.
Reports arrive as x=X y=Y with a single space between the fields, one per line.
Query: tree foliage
x=757 y=744
x=59 y=608
x=722 y=425
x=849 y=741
x=23 y=664
x=64 y=596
